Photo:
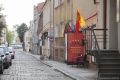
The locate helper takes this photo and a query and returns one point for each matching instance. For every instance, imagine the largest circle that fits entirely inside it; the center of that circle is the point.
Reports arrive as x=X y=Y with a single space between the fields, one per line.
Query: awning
x=51 y=37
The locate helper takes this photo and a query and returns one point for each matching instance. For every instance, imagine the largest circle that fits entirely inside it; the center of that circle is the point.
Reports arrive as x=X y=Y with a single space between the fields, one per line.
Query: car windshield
x=10 y=48
x=4 y=47
x=1 y=52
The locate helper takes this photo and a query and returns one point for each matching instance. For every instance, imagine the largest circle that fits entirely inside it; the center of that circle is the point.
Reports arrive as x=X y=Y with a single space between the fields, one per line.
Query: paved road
x=26 y=67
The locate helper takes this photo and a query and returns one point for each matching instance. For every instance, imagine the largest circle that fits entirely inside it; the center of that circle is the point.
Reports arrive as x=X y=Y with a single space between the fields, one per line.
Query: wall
x=67 y=12
x=27 y=41
x=47 y=25
x=86 y=7
x=112 y=25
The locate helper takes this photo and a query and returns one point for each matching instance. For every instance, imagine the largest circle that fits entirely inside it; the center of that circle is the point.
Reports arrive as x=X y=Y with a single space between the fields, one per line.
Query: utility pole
x=51 y=56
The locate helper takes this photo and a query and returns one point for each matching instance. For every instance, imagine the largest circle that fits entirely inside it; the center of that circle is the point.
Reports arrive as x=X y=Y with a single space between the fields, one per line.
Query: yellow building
x=65 y=10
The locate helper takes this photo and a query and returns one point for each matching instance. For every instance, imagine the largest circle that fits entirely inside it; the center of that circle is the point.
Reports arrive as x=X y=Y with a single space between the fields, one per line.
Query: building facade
x=65 y=10
x=47 y=27
x=27 y=41
x=40 y=28
x=31 y=35
x=109 y=20
x=37 y=11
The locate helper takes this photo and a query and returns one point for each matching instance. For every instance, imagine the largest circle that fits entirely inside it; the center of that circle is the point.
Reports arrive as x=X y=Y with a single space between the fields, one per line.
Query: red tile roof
x=40 y=5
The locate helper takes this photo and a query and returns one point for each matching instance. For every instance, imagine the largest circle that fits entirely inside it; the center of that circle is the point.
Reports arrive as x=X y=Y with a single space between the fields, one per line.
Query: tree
x=2 y=25
x=21 y=29
x=9 y=36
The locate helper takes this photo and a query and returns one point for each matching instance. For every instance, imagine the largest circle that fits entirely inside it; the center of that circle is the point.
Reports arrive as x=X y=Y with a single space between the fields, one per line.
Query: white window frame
x=56 y=3
x=61 y=1
x=62 y=26
x=70 y=23
x=56 y=31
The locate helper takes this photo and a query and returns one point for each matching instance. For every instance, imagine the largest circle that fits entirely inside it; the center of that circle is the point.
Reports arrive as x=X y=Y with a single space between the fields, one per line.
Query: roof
x=40 y=5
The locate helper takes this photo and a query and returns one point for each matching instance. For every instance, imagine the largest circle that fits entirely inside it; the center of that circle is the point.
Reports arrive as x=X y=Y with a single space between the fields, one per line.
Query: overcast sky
x=18 y=11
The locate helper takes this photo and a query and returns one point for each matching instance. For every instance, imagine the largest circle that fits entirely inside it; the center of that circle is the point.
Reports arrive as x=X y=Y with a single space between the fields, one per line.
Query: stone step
x=109 y=76
x=110 y=56
x=109 y=67
x=109 y=70
x=110 y=60
x=104 y=65
x=106 y=51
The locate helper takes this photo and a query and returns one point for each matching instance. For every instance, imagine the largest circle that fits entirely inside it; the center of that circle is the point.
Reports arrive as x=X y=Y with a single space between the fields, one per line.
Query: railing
x=90 y=39
x=92 y=42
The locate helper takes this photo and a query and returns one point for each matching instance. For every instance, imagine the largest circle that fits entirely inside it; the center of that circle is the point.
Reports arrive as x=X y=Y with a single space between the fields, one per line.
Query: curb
x=66 y=74
x=46 y=64
x=61 y=71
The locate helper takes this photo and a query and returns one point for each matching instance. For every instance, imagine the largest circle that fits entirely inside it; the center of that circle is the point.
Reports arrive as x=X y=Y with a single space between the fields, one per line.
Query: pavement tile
x=76 y=73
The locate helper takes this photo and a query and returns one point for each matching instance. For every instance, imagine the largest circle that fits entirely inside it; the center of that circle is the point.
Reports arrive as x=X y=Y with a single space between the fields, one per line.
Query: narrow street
x=26 y=67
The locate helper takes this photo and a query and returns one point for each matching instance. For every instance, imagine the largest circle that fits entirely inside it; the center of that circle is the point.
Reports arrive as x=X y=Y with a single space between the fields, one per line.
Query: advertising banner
x=74 y=45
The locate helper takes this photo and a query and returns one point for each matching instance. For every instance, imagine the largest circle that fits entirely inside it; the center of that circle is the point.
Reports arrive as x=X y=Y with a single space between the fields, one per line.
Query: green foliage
x=21 y=29
x=1 y=23
x=9 y=36
x=1 y=8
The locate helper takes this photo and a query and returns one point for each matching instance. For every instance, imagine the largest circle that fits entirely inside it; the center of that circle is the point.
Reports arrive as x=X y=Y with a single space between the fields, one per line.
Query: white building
x=47 y=26
x=27 y=41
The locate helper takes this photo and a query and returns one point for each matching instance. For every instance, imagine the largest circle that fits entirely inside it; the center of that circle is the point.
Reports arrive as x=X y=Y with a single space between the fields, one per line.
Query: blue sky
x=18 y=11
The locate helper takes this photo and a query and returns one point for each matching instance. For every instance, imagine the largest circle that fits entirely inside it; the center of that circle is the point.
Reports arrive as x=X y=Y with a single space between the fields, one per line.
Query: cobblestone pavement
x=26 y=67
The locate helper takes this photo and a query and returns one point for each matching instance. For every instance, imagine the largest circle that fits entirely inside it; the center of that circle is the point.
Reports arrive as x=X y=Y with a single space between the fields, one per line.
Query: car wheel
x=7 y=66
x=10 y=62
x=13 y=57
x=1 y=71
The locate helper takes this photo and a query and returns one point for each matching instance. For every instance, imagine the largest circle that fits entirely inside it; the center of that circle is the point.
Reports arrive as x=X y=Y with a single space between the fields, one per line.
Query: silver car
x=8 y=55
x=2 y=60
x=12 y=52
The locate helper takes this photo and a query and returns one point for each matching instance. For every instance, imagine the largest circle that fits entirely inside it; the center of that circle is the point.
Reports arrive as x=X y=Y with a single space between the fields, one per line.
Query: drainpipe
x=104 y=24
x=53 y=28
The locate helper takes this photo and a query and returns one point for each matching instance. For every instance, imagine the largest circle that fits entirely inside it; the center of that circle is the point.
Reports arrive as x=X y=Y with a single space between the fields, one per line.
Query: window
x=70 y=23
x=56 y=31
x=61 y=1
x=62 y=29
x=56 y=3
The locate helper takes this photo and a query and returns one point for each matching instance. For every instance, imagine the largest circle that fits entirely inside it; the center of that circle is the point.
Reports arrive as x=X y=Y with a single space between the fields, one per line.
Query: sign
x=32 y=44
x=74 y=45
x=51 y=39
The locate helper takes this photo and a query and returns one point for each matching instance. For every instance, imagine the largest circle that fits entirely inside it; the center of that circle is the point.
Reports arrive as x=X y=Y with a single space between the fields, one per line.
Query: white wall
x=112 y=25
x=47 y=10
x=27 y=39
x=118 y=19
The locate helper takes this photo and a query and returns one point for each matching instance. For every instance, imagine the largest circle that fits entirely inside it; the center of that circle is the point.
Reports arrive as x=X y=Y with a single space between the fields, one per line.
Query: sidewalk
x=76 y=73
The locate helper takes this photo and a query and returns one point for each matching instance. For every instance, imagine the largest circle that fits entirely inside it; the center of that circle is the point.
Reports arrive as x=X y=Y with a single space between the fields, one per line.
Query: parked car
x=12 y=52
x=4 y=58
x=1 y=61
x=8 y=55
